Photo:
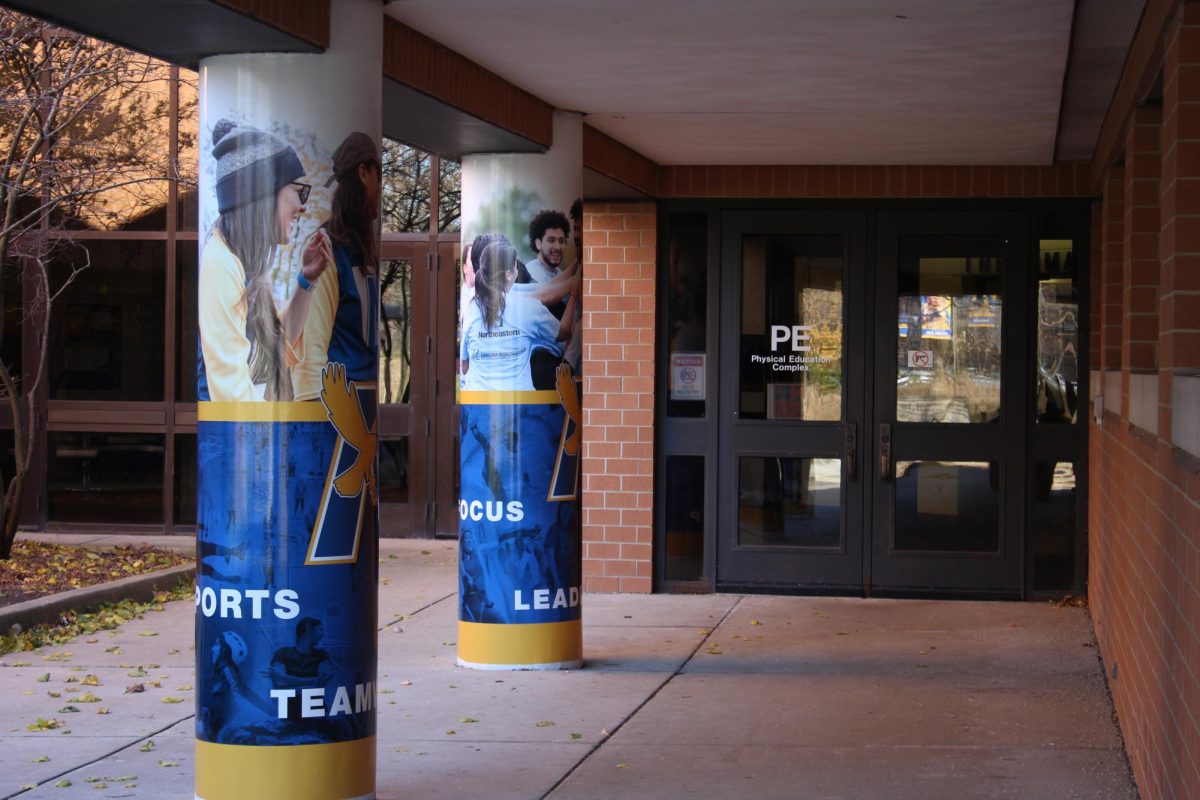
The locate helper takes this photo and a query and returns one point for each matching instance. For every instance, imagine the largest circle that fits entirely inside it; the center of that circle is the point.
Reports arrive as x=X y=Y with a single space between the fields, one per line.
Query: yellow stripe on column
x=338 y=771
x=549 y=645
x=532 y=397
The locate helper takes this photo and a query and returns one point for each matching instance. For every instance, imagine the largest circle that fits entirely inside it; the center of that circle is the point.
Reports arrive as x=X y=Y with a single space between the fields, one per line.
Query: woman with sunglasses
x=246 y=346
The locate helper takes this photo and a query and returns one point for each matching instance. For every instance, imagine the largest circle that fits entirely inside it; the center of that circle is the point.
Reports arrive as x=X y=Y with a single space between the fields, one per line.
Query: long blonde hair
x=250 y=232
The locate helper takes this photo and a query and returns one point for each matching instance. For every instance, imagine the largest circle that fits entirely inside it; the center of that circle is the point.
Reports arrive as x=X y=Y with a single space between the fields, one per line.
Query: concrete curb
x=136 y=587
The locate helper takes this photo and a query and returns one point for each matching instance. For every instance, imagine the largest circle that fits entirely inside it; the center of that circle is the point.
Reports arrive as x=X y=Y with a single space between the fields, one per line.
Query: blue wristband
x=303 y=282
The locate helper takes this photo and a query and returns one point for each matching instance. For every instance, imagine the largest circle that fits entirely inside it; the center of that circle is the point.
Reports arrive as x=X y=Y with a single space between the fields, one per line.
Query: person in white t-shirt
x=502 y=329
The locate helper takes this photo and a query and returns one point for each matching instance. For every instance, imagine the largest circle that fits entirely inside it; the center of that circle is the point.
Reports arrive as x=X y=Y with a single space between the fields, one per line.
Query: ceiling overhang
x=765 y=82
x=185 y=31
x=1012 y=82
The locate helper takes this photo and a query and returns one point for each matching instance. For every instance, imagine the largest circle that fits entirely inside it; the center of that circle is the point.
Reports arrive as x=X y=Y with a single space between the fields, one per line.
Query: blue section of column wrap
x=286 y=592
x=519 y=538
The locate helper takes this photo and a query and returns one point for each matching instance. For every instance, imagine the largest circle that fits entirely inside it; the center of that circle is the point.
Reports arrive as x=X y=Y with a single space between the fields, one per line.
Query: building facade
x=922 y=369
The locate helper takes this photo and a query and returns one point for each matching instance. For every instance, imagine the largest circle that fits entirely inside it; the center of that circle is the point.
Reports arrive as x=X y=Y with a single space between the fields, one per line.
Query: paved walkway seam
x=100 y=758
x=426 y=607
x=604 y=739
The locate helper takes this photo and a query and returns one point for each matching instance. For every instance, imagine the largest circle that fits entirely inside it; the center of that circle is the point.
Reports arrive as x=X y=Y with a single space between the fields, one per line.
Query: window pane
x=685 y=518
x=187 y=341
x=1057 y=333
x=111 y=163
x=1054 y=526
x=789 y=502
x=395 y=331
x=949 y=324
x=687 y=312
x=13 y=314
x=105 y=477
x=185 y=479
x=951 y=506
x=406 y=183
x=791 y=345
x=8 y=461
x=189 y=150
x=107 y=327
x=393 y=471
x=450 y=196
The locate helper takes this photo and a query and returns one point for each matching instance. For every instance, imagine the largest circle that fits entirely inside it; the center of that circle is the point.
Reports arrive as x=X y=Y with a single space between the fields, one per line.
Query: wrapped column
x=287 y=566
x=520 y=407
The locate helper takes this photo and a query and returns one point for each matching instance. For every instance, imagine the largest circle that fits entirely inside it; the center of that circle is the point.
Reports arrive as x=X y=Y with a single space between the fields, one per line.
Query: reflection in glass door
x=883 y=375
x=792 y=514
x=946 y=491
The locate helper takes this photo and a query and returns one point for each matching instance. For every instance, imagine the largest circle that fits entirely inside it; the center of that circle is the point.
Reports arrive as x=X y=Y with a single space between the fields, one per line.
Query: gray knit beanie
x=251 y=164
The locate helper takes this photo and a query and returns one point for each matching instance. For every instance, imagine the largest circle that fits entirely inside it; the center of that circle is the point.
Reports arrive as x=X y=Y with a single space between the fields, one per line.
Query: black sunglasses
x=303 y=189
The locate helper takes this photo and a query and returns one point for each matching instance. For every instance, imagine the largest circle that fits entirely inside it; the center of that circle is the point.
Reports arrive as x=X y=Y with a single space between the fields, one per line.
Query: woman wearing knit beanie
x=246 y=347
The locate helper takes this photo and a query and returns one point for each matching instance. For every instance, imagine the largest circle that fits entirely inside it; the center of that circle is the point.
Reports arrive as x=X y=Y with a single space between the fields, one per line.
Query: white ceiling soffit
x=782 y=81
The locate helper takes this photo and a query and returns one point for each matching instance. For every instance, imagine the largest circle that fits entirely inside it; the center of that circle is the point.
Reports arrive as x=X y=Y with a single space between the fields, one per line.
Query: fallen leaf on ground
x=44 y=724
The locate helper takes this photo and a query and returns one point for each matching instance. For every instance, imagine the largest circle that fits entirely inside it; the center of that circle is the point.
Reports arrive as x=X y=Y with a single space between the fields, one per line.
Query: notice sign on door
x=920 y=359
x=687 y=376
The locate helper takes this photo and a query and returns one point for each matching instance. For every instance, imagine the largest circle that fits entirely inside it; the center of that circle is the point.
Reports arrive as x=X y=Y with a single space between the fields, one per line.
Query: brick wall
x=618 y=397
x=1144 y=492
x=1143 y=166
x=1062 y=180
x=306 y=19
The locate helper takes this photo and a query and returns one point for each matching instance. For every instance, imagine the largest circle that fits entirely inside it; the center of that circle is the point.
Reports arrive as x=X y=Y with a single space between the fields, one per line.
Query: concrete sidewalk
x=710 y=696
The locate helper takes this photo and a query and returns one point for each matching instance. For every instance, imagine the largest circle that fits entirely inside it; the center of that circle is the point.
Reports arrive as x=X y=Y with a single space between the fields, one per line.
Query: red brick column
x=1179 y=289
x=1139 y=270
x=1143 y=165
x=618 y=397
x=1096 y=279
x=1112 y=244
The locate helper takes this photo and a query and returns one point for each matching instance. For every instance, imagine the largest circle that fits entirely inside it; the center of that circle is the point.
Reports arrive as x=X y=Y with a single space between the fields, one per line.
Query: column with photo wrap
x=520 y=407
x=287 y=515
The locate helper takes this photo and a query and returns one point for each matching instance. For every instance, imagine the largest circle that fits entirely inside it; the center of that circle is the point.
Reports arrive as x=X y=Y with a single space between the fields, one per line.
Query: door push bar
x=885 y=452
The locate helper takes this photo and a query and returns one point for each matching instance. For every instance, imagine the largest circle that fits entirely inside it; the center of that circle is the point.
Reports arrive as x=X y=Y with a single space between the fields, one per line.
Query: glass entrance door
x=948 y=419
x=790 y=512
x=871 y=414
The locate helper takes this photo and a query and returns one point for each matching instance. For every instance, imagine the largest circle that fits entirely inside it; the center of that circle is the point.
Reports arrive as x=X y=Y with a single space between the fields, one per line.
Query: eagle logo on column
x=564 y=483
x=352 y=483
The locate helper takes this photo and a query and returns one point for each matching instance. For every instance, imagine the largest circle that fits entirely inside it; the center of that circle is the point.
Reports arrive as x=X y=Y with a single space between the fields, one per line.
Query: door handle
x=885 y=452
x=850 y=461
